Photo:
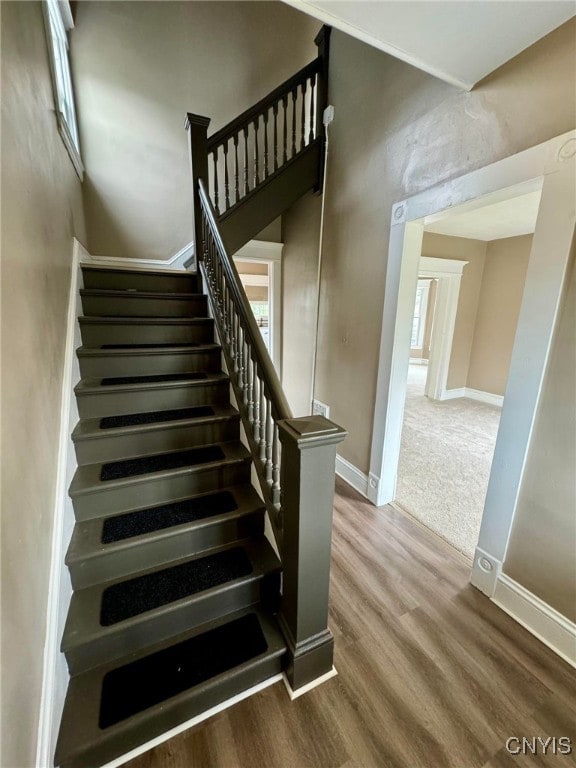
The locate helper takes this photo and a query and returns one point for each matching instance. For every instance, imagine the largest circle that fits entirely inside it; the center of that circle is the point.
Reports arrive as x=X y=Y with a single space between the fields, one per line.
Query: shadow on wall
x=138 y=68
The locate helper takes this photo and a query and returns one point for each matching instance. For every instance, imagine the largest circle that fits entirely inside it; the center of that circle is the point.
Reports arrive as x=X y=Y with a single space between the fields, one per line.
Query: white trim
x=422 y=313
x=485 y=571
x=453 y=394
x=352 y=475
x=550 y=165
x=57 y=21
x=174 y=262
x=59 y=590
x=433 y=267
x=539 y=618
x=71 y=147
x=192 y=722
x=473 y=394
x=264 y=252
x=448 y=273
x=350 y=29
x=295 y=694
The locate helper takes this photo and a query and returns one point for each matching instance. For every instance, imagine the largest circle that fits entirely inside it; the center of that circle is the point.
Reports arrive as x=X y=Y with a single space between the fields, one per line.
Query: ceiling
x=459 y=41
x=505 y=218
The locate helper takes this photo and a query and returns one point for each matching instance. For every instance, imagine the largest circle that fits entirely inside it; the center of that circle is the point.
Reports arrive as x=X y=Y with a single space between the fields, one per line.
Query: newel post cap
x=310 y=431
x=196 y=120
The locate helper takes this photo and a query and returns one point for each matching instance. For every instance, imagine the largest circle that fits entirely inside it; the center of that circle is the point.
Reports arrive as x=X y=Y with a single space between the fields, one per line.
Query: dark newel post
x=322 y=41
x=308 y=461
x=198 y=128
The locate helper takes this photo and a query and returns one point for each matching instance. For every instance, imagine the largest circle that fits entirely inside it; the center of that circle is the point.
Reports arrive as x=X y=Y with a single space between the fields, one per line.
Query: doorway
x=549 y=166
x=464 y=326
x=258 y=266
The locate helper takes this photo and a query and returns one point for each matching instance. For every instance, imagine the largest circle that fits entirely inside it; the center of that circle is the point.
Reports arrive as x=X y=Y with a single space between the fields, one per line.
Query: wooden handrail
x=236 y=125
x=281 y=409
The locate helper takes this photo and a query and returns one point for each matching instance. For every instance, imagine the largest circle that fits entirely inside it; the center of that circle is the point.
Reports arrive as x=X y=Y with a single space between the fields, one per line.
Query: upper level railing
x=264 y=138
x=258 y=391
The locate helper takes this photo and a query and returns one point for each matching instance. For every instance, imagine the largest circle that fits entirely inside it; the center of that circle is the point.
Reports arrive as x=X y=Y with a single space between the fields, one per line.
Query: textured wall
x=543 y=540
x=138 y=68
x=499 y=303
x=41 y=211
x=396 y=132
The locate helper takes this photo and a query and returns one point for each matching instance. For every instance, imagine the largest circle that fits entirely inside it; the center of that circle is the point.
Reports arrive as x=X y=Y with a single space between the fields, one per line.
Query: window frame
x=420 y=311
x=57 y=21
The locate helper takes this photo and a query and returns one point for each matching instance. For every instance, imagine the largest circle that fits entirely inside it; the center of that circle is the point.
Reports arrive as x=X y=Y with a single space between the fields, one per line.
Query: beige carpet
x=445 y=460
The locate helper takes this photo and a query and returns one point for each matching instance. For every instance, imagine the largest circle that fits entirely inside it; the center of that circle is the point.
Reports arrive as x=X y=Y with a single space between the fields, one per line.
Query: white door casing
x=448 y=273
x=552 y=167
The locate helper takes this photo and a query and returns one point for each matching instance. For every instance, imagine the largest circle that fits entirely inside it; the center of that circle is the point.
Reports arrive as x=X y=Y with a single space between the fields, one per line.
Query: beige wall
x=299 y=280
x=543 y=540
x=396 y=132
x=501 y=292
x=41 y=211
x=472 y=251
x=138 y=68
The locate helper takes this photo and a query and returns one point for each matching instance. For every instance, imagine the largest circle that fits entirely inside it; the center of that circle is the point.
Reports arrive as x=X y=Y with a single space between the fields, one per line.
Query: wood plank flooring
x=431 y=673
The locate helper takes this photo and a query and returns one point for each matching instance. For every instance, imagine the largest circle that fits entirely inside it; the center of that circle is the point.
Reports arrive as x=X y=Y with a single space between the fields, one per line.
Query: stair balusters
x=261 y=399
x=266 y=146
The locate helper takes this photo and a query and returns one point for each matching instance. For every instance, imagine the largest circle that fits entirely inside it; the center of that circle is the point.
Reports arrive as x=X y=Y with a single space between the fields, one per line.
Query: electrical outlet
x=320 y=409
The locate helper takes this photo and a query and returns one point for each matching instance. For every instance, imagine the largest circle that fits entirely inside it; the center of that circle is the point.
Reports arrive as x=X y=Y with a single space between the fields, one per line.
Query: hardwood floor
x=431 y=673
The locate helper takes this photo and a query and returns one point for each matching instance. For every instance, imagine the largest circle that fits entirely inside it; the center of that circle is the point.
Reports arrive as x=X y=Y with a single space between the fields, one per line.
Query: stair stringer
x=243 y=221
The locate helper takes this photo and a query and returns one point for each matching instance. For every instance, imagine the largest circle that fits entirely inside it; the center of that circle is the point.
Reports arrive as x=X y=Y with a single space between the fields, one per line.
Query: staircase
x=180 y=600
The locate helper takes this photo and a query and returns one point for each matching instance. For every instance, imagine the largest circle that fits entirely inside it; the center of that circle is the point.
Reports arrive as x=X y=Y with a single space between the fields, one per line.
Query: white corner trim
x=294 y=694
x=453 y=394
x=352 y=475
x=485 y=572
x=192 y=722
x=473 y=394
x=48 y=716
x=374 y=489
x=539 y=618
x=174 y=262
x=260 y=250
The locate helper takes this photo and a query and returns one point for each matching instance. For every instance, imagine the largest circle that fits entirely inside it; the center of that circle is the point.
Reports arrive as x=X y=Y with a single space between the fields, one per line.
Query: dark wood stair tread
x=87 y=478
x=84 y=742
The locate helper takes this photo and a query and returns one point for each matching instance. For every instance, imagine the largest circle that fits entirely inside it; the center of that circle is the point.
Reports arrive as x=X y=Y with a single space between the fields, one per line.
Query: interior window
x=58 y=20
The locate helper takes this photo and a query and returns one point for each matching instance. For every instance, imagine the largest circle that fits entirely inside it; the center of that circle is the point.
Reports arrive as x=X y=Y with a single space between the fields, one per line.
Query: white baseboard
x=353 y=476
x=453 y=394
x=59 y=591
x=177 y=261
x=192 y=722
x=473 y=394
x=295 y=694
x=485 y=397
x=539 y=618
x=254 y=250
